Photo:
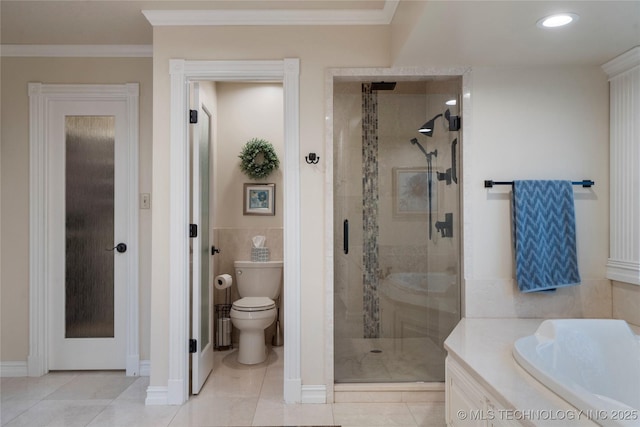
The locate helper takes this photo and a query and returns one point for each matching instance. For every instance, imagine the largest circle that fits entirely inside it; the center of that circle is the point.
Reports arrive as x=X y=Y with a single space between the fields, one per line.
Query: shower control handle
x=345 y=236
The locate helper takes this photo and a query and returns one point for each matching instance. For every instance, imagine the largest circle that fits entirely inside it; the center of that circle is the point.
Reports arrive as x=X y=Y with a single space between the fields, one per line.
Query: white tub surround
x=592 y=363
x=486 y=387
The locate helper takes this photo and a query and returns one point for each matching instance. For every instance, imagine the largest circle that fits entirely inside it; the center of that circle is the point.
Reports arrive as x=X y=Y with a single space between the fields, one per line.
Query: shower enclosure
x=397 y=227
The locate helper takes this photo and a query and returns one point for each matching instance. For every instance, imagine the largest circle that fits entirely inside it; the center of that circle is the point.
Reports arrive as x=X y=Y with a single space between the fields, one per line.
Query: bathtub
x=419 y=305
x=420 y=289
x=594 y=364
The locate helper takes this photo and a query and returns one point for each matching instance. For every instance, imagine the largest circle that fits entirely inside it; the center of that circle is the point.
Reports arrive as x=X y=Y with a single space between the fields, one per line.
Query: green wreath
x=258 y=159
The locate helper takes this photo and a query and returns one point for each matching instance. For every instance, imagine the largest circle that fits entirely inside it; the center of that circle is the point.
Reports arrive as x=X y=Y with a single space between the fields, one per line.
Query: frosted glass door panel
x=89 y=197
x=204 y=224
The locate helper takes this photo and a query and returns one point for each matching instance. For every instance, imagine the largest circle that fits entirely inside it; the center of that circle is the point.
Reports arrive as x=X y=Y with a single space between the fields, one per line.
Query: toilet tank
x=258 y=279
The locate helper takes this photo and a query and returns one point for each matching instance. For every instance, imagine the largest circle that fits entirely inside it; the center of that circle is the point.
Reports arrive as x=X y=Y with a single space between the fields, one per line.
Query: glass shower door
x=397 y=293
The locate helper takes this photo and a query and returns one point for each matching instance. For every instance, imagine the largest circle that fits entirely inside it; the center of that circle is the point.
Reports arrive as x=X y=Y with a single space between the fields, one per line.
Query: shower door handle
x=345 y=236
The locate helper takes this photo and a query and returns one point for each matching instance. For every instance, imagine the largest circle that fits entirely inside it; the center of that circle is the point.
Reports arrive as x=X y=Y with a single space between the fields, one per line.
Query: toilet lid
x=254 y=304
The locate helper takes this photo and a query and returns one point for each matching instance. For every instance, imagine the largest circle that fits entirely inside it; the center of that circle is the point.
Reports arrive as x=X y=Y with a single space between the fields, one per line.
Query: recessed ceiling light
x=557 y=20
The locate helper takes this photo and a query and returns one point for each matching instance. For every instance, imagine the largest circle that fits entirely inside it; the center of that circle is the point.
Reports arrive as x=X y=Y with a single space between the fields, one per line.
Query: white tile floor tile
x=234 y=395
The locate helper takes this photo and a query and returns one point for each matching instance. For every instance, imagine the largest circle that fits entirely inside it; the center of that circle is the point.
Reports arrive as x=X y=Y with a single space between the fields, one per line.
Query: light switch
x=145 y=201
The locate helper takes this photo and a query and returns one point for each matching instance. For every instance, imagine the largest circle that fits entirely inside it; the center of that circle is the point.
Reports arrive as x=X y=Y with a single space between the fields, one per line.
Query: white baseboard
x=314 y=394
x=145 y=368
x=175 y=392
x=21 y=369
x=156 y=395
x=292 y=390
x=13 y=369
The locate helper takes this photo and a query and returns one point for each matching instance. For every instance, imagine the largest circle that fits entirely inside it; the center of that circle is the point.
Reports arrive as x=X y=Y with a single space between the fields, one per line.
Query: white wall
x=536 y=123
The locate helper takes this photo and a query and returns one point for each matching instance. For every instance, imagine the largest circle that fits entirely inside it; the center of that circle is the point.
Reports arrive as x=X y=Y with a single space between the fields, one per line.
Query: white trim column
x=291 y=219
x=624 y=244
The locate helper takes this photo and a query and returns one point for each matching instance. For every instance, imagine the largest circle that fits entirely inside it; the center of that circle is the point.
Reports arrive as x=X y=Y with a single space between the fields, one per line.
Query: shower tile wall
x=370 y=277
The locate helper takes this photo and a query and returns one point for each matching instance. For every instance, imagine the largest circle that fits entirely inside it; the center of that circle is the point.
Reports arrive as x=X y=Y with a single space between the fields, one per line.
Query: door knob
x=120 y=247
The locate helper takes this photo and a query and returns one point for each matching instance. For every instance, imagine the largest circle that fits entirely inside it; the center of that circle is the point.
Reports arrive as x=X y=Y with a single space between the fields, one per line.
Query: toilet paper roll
x=223 y=281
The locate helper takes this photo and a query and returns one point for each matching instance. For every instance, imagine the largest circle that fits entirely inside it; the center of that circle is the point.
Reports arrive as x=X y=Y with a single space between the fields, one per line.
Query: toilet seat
x=253 y=304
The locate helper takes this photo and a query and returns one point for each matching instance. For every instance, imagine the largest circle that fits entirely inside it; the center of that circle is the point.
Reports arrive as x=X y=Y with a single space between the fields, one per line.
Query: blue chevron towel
x=544 y=235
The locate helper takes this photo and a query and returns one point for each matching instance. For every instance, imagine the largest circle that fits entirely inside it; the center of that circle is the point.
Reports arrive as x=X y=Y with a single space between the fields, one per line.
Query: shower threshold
x=388 y=392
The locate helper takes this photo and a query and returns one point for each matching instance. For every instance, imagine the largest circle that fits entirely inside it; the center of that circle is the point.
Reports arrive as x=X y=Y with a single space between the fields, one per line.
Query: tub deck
x=484 y=348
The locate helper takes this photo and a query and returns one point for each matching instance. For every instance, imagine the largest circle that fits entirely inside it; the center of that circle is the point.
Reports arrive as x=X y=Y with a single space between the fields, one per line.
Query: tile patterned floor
x=234 y=395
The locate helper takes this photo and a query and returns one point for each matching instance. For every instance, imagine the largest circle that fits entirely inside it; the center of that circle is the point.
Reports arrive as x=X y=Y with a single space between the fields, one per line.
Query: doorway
x=237 y=112
x=183 y=72
x=84 y=172
x=335 y=222
x=397 y=250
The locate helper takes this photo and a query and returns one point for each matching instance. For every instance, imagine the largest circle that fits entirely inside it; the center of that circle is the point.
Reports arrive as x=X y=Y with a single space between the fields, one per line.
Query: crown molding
x=273 y=17
x=77 y=50
x=622 y=63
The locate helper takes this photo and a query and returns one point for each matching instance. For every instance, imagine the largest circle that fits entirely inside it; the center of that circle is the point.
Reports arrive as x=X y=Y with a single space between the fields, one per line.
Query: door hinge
x=193 y=230
x=193 y=346
x=193 y=116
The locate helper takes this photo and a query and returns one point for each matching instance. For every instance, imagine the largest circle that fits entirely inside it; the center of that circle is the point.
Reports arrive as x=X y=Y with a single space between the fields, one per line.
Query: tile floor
x=234 y=395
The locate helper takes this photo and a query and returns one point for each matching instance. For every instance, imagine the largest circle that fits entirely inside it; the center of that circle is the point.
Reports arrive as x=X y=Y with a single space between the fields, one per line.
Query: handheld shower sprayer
x=414 y=141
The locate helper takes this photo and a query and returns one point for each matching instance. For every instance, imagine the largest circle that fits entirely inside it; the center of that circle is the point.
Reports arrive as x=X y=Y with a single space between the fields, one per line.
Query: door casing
x=182 y=72
x=39 y=271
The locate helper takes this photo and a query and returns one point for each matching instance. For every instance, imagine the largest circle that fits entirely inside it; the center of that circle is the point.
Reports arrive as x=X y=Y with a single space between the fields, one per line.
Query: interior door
x=88 y=161
x=201 y=270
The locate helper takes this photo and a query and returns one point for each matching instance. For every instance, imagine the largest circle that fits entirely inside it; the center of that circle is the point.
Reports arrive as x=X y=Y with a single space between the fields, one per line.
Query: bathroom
x=240 y=112
x=553 y=115
x=233 y=236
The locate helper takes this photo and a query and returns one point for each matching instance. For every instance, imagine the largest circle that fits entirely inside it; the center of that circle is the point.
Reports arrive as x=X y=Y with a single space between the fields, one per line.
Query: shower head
x=453 y=121
x=427 y=128
x=383 y=85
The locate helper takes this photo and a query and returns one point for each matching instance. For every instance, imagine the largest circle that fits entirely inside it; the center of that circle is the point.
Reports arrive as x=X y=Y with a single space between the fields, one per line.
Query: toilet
x=258 y=286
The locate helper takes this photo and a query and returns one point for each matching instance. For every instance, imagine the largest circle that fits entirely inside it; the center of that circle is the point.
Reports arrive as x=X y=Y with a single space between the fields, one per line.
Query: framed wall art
x=411 y=195
x=259 y=199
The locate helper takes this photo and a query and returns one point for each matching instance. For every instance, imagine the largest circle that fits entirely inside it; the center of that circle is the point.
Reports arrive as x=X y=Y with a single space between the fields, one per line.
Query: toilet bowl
x=252 y=315
x=258 y=285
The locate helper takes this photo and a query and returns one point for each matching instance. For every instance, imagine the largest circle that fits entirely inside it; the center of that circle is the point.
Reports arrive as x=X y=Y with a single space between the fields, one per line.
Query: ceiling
x=505 y=33
x=436 y=32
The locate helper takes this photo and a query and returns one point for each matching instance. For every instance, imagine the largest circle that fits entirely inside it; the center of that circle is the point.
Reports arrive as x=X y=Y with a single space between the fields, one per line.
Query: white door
x=88 y=209
x=201 y=267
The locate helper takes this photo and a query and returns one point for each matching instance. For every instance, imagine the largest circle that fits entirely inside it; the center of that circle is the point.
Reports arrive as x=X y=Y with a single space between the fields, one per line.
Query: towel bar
x=586 y=183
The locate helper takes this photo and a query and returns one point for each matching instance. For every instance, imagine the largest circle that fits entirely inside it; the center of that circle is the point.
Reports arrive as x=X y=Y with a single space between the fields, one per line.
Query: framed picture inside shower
x=259 y=199
x=411 y=195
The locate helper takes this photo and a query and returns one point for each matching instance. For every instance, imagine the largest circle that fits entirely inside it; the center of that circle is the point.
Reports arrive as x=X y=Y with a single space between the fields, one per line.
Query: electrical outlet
x=145 y=201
